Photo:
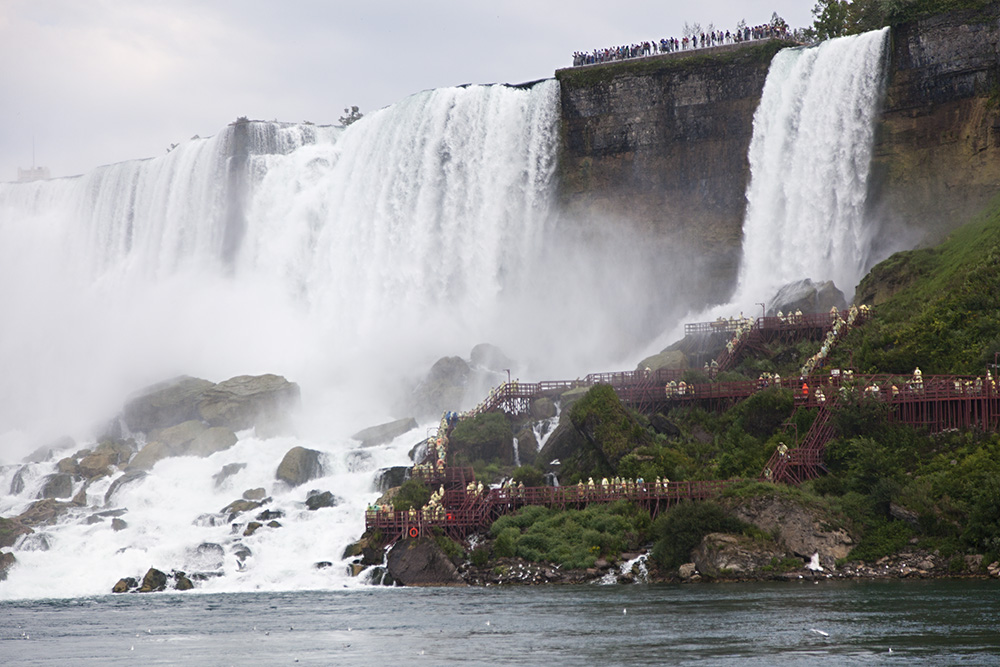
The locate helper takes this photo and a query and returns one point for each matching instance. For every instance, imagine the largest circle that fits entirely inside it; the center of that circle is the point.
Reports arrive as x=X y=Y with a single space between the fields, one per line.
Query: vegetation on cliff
x=835 y=18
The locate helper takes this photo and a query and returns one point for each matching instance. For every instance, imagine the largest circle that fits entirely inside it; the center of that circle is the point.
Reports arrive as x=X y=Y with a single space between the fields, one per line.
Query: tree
x=831 y=18
x=352 y=115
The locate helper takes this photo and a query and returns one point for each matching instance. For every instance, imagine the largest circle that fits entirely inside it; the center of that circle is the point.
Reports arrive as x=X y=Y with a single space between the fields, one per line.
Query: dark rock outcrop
x=299 y=466
x=807 y=296
x=58 y=485
x=443 y=389
x=420 y=562
x=165 y=404
x=125 y=585
x=317 y=500
x=722 y=555
x=153 y=581
x=264 y=402
x=190 y=438
x=11 y=530
x=124 y=480
x=7 y=561
x=383 y=433
x=802 y=530
x=387 y=478
x=227 y=471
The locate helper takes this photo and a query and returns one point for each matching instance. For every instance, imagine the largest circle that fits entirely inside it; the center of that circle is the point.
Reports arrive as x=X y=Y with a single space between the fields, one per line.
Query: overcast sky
x=101 y=81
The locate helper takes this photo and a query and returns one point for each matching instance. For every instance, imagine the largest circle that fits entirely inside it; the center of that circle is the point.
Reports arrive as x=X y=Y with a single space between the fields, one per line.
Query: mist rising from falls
x=345 y=259
x=810 y=158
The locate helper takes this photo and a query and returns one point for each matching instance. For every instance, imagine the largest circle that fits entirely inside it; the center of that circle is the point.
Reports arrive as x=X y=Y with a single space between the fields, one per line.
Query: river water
x=863 y=622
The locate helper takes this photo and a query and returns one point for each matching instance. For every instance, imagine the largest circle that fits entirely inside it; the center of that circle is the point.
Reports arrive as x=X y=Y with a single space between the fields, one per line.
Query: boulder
x=688 y=572
x=252 y=528
x=299 y=466
x=267 y=515
x=722 y=555
x=255 y=494
x=673 y=359
x=207 y=557
x=490 y=357
x=17 y=481
x=383 y=433
x=165 y=404
x=7 y=561
x=807 y=296
x=543 y=408
x=421 y=562
x=237 y=507
x=527 y=446
x=803 y=530
x=42 y=512
x=318 y=500
x=210 y=441
x=249 y=401
x=99 y=462
x=11 y=530
x=118 y=524
x=227 y=471
x=564 y=441
x=124 y=480
x=149 y=456
x=441 y=390
x=153 y=581
x=125 y=585
x=67 y=465
x=58 y=485
x=664 y=426
x=387 y=478
x=571 y=396
x=181 y=582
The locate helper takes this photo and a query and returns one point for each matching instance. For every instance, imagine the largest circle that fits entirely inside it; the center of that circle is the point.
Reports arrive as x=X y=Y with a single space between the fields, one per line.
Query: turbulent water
x=348 y=260
x=810 y=158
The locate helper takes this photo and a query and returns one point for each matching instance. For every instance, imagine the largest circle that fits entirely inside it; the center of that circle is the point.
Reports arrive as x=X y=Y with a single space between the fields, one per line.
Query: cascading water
x=810 y=158
x=343 y=259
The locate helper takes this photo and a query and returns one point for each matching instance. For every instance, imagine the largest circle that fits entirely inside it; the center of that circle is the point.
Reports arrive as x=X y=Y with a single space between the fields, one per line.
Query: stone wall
x=660 y=145
x=937 y=151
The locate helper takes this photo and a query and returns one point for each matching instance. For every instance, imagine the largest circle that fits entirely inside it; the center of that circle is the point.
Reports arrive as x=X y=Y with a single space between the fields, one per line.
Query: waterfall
x=810 y=158
x=345 y=259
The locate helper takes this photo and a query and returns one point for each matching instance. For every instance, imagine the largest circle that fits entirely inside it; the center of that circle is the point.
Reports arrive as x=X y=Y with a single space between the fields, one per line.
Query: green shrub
x=884 y=538
x=413 y=493
x=682 y=529
x=529 y=476
x=479 y=556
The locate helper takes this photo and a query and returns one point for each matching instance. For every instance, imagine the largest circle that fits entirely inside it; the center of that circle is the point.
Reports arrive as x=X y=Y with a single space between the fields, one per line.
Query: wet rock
x=688 y=572
x=118 y=525
x=354 y=569
x=255 y=494
x=359 y=461
x=802 y=530
x=153 y=581
x=807 y=296
x=543 y=408
x=227 y=471
x=150 y=455
x=370 y=553
x=99 y=462
x=237 y=507
x=125 y=585
x=318 y=500
x=181 y=582
x=664 y=426
x=673 y=359
x=490 y=357
x=420 y=562
x=190 y=438
x=165 y=404
x=273 y=524
x=383 y=433
x=441 y=390
x=122 y=481
x=45 y=452
x=721 y=555
x=7 y=561
x=299 y=466
x=263 y=402
x=252 y=528
x=212 y=440
x=67 y=465
x=42 y=512
x=17 y=482
x=322 y=565
x=58 y=485
x=387 y=478
x=267 y=515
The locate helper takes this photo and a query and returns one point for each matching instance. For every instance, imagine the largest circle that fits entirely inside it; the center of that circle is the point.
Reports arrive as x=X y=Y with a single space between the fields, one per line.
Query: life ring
x=414 y=532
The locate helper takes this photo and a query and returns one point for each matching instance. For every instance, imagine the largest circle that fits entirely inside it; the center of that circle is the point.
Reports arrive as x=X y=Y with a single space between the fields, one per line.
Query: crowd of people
x=699 y=40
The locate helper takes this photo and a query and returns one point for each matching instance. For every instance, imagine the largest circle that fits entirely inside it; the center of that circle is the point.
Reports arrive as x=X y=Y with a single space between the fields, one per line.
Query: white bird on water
x=819 y=632
x=624 y=611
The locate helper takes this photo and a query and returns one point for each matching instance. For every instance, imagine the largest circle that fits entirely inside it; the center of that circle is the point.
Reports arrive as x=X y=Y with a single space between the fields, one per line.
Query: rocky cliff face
x=937 y=152
x=660 y=146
